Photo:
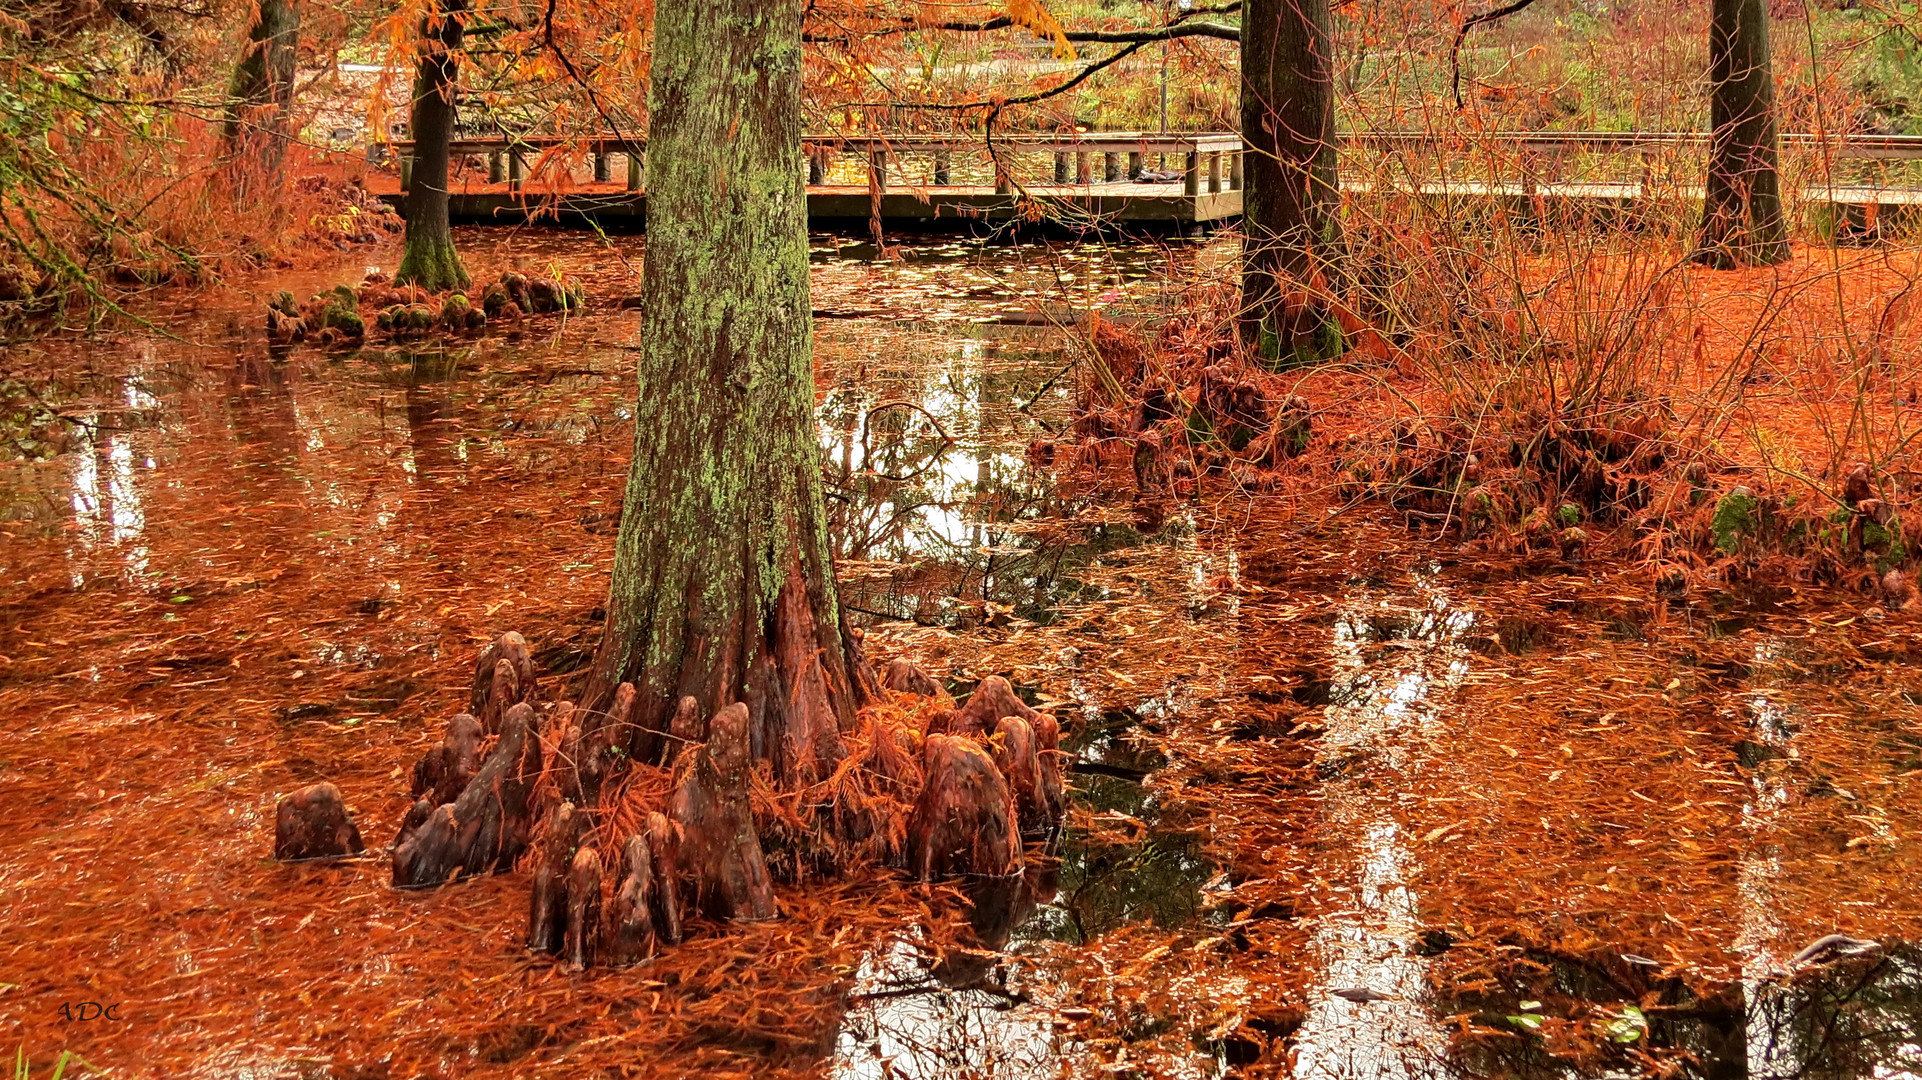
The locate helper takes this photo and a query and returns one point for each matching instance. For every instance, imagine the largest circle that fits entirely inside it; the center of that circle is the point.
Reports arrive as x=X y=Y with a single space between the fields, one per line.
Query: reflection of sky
x=106 y=501
x=1774 y=1047
x=1382 y=710
x=937 y=510
x=902 y=1024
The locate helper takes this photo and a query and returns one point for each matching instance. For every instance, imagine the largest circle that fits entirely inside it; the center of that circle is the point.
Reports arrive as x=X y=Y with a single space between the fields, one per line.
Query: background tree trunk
x=260 y=96
x=1291 y=219
x=1742 y=222
x=723 y=585
x=429 y=259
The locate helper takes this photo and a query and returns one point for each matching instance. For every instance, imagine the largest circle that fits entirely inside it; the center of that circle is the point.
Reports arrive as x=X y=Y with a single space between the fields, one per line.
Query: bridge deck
x=1089 y=177
x=612 y=205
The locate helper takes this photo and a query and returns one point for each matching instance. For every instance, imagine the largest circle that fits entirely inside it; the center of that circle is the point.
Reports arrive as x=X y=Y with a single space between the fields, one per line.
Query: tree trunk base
x=624 y=847
x=432 y=264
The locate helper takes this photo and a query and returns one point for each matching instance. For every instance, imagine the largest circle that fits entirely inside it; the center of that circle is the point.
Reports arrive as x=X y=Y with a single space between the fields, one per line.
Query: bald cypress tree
x=1291 y=223
x=1742 y=222
x=429 y=259
x=723 y=585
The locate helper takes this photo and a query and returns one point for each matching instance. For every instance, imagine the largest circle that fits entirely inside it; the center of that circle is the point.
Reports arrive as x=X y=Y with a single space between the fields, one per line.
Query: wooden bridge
x=1169 y=181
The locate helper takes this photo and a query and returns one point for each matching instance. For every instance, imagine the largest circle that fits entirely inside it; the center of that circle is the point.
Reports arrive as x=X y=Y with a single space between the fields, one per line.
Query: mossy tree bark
x=260 y=96
x=1742 y=223
x=429 y=259
x=1291 y=216
x=723 y=585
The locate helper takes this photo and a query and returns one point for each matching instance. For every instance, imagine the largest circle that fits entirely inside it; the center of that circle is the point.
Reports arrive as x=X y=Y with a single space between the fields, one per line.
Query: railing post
x=407 y=171
x=942 y=173
x=1110 y=167
x=1234 y=171
x=633 y=169
x=1191 y=174
x=496 y=167
x=1060 y=168
x=1214 y=172
x=600 y=166
x=1082 y=174
x=1134 y=165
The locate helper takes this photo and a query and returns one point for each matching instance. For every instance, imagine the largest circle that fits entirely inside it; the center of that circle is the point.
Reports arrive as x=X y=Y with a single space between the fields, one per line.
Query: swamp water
x=1333 y=816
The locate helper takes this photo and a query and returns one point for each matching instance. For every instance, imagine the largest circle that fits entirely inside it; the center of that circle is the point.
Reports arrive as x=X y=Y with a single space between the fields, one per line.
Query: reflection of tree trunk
x=723 y=585
x=261 y=94
x=429 y=432
x=1291 y=208
x=1742 y=221
x=429 y=259
x=1725 y=1040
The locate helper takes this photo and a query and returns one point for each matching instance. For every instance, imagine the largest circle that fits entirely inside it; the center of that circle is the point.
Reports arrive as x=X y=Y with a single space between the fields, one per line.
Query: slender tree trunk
x=1292 y=254
x=260 y=96
x=1742 y=222
x=723 y=585
x=429 y=259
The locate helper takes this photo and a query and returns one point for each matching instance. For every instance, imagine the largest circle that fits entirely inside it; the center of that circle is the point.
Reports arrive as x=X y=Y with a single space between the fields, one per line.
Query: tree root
x=624 y=846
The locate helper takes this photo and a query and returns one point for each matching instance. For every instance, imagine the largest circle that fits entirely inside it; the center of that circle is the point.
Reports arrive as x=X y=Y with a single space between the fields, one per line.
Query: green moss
x=1568 y=514
x=1885 y=543
x=1737 y=517
x=432 y=265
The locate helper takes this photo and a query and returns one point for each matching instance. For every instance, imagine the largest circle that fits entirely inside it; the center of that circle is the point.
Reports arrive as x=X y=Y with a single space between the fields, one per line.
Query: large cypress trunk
x=1292 y=246
x=261 y=95
x=429 y=259
x=1742 y=222
x=723 y=586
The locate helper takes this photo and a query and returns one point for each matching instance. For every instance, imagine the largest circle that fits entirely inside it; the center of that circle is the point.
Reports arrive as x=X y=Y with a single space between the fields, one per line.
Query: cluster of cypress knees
x=619 y=860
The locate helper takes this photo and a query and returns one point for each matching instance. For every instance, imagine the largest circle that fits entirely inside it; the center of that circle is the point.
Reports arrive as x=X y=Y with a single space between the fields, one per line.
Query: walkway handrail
x=1857 y=146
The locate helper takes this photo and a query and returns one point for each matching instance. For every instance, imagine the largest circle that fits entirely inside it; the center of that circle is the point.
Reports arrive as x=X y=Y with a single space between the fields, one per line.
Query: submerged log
x=443 y=772
x=903 y=676
x=720 y=851
x=992 y=700
x=487 y=827
x=583 y=908
x=547 y=904
x=964 y=821
x=313 y=823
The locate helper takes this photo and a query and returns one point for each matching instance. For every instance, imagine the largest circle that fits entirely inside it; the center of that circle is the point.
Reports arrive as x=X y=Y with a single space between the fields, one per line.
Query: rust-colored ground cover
x=259 y=572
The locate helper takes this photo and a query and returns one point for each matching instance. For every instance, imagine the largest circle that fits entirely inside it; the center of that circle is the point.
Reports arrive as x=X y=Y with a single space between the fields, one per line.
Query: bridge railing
x=1201 y=161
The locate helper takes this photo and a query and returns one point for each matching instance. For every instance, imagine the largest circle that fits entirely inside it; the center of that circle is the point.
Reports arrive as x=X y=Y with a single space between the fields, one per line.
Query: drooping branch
x=1461 y=35
x=1179 y=27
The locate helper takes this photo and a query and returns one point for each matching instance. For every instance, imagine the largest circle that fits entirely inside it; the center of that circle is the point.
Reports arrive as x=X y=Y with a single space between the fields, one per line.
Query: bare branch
x=1461 y=35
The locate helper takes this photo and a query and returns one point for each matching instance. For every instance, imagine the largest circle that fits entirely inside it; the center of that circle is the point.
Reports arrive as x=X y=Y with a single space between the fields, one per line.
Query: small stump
x=313 y=823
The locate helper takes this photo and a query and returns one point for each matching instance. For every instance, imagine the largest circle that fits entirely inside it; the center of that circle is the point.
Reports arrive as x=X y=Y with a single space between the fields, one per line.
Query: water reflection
x=969 y=1011
x=1394 y=665
x=937 y=512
